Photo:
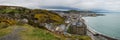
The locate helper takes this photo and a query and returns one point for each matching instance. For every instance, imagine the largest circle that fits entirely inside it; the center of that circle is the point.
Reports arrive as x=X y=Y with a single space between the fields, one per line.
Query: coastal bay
x=107 y=25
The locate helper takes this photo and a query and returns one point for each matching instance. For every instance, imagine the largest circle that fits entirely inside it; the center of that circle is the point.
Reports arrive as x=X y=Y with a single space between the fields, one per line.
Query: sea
x=108 y=25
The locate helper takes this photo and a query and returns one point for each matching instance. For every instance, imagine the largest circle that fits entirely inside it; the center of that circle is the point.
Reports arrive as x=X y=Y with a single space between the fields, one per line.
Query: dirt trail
x=14 y=35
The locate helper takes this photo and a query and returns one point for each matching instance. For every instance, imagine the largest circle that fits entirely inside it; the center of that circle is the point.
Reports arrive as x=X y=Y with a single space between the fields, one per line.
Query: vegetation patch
x=82 y=37
x=5 y=31
x=31 y=33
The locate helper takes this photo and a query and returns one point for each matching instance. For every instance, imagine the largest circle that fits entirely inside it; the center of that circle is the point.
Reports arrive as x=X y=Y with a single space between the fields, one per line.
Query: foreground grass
x=5 y=31
x=41 y=34
x=31 y=33
x=84 y=37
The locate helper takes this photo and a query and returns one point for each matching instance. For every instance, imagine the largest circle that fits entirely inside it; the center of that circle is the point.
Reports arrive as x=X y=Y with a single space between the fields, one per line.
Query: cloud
x=24 y=3
x=112 y=5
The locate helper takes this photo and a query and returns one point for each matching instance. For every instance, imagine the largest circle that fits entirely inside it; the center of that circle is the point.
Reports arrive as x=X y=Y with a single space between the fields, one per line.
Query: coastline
x=90 y=32
x=97 y=35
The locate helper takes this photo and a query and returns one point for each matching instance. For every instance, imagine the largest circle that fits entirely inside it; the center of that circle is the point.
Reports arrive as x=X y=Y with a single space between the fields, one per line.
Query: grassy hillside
x=42 y=16
x=48 y=16
x=11 y=16
x=32 y=33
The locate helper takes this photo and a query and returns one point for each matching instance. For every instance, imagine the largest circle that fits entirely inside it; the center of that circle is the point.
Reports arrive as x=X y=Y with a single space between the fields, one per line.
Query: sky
x=111 y=5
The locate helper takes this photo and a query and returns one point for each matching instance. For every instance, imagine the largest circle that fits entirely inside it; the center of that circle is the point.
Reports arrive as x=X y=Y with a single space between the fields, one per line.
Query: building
x=79 y=29
x=77 y=25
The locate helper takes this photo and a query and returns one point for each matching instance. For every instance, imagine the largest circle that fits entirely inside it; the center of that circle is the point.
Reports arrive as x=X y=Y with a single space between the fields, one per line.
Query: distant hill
x=74 y=11
x=60 y=7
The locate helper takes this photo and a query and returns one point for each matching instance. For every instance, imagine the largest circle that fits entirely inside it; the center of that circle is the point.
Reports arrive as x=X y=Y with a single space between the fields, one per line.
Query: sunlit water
x=108 y=25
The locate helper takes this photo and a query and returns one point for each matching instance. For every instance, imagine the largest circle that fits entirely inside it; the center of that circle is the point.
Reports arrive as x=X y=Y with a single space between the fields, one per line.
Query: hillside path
x=14 y=35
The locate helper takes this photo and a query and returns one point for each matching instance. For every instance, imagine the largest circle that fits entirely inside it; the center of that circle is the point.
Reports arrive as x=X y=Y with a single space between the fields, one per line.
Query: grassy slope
x=41 y=34
x=31 y=33
x=5 y=31
x=37 y=34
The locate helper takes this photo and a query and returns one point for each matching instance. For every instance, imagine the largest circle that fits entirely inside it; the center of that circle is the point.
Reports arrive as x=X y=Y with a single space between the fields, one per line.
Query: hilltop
x=30 y=24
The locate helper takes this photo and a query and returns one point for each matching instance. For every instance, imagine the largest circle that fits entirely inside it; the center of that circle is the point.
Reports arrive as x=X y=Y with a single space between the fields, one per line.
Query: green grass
x=3 y=25
x=43 y=35
x=37 y=34
x=82 y=37
x=5 y=31
x=32 y=33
